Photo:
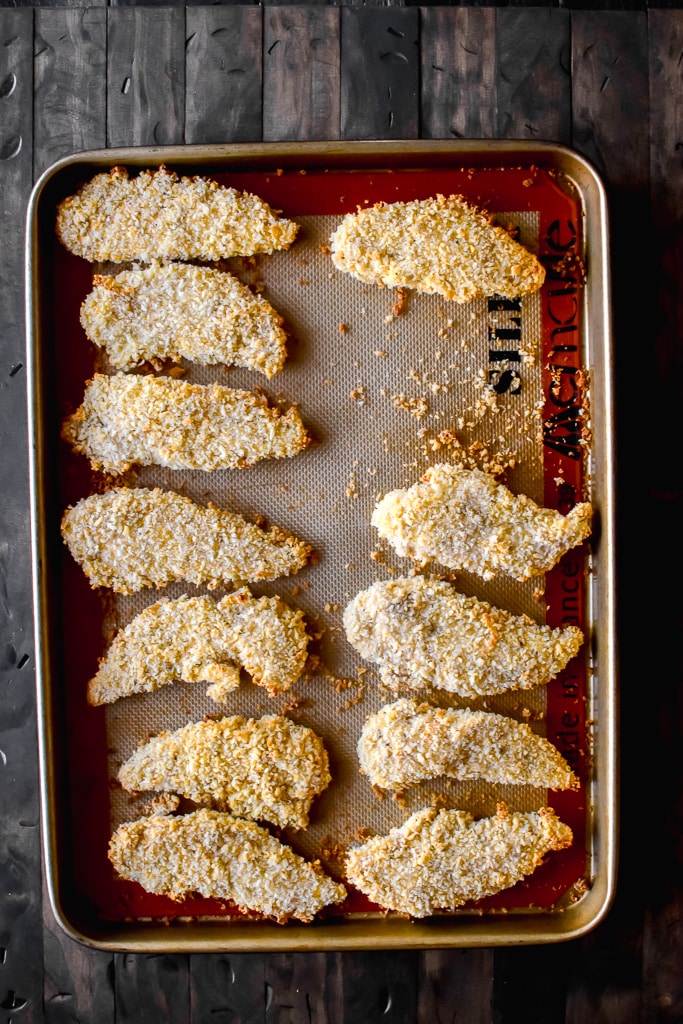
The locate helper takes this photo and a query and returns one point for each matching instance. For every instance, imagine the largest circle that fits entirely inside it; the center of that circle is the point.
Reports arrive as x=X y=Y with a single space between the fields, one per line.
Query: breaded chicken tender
x=439 y=860
x=157 y=215
x=215 y=855
x=127 y=419
x=198 y=640
x=181 y=311
x=407 y=742
x=132 y=538
x=423 y=633
x=441 y=245
x=464 y=519
x=266 y=769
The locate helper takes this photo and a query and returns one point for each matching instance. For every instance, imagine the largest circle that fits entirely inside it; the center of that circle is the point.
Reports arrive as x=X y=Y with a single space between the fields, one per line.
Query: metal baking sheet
x=385 y=384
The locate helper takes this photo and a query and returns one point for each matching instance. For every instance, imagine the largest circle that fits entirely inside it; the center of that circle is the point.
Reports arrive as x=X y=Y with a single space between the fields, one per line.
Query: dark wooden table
x=608 y=83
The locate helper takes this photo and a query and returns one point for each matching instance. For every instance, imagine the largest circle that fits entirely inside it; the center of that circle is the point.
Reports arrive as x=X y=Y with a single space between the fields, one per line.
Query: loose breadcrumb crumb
x=266 y=769
x=131 y=538
x=440 y=859
x=423 y=633
x=465 y=519
x=407 y=742
x=128 y=419
x=158 y=215
x=216 y=855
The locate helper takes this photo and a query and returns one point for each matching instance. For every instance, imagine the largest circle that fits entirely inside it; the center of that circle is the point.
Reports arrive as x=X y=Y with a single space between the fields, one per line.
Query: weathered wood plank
x=223 y=74
x=229 y=987
x=20 y=854
x=152 y=988
x=145 y=76
x=379 y=73
x=533 y=78
x=70 y=83
x=379 y=986
x=301 y=86
x=303 y=987
x=458 y=73
x=455 y=985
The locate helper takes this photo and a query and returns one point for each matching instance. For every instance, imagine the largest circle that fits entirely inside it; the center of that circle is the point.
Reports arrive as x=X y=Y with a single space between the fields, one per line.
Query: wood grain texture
x=223 y=74
x=458 y=73
x=533 y=83
x=70 y=97
x=229 y=988
x=152 y=988
x=455 y=985
x=145 y=77
x=380 y=987
x=301 y=96
x=304 y=987
x=379 y=73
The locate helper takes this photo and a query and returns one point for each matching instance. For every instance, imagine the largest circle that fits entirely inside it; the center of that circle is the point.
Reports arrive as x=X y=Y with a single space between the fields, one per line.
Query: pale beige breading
x=407 y=742
x=128 y=419
x=440 y=245
x=159 y=215
x=423 y=633
x=131 y=538
x=465 y=519
x=198 y=640
x=267 y=769
x=439 y=860
x=215 y=855
x=181 y=311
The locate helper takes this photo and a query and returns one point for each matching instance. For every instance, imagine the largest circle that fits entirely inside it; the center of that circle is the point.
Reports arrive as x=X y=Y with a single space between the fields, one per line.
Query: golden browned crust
x=439 y=860
x=158 y=215
x=215 y=855
x=198 y=640
x=423 y=633
x=128 y=419
x=180 y=311
x=407 y=742
x=266 y=769
x=132 y=538
x=465 y=519
x=440 y=245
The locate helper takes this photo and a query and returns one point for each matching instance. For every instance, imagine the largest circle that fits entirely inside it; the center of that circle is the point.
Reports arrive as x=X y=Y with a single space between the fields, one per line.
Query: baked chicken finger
x=131 y=538
x=423 y=633
x=441 y=245
x=181 y=311
x=407 y=742
x=158 y=215
x=129 y=419
x=465 y=519
x=439 y=860
x=266 y=769
x=215 y=855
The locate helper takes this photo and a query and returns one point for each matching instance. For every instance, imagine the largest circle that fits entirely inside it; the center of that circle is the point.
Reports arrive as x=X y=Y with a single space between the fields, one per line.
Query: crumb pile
x=267 y=769
x=197 y=639
x=464 y=519
x=128 y=419
x=131 y=538
x=159 y=215
x=216 y=855
x=423 y=633
x=441 y=245
x=407 y=742
x=439 y=860
x=181 y=311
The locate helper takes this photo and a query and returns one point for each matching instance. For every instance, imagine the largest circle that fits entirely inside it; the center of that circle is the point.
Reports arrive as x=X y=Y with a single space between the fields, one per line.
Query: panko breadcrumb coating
x=423 y=633
x=198 y=640
x=158 y=215
x=440 y=245
x=215 y=855
x=128 y=419
x=439 y=860
x=180 y=311
x=407 y=742
x=132 y=538
x=465 y=519
x=266 y=769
